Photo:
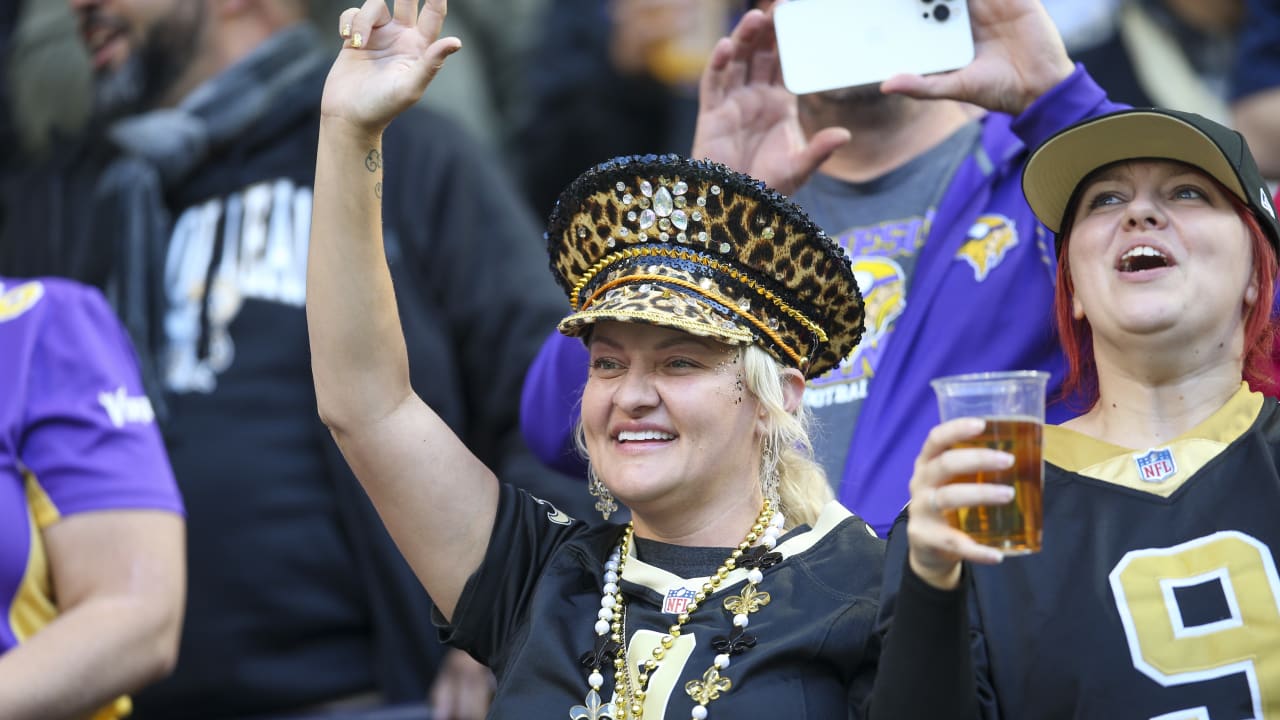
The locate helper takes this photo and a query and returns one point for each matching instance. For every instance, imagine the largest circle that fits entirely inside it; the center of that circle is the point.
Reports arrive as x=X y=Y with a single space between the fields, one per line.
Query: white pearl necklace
x=609 y=623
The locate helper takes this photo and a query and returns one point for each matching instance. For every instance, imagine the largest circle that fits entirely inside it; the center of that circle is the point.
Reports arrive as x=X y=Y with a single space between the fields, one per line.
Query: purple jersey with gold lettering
x=76 y=434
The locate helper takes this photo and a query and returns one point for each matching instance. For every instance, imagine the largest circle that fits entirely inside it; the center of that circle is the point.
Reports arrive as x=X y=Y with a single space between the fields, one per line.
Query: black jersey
x=530 y=610
x=1156 y=594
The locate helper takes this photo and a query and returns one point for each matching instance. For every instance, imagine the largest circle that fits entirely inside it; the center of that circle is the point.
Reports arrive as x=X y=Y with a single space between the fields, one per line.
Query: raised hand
x=936 y=548
x=1018 y=56
x=748 y=120
x=387 y=61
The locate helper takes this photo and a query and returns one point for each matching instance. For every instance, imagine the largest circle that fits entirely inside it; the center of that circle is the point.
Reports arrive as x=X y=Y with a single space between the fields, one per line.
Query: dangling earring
x=605 y=504
x=769 y=475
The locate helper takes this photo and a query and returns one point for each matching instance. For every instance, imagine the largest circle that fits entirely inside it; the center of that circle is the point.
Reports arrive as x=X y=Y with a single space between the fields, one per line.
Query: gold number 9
x=1171 y=653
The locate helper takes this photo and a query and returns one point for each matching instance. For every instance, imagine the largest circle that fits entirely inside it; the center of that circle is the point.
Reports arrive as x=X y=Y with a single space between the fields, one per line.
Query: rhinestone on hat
x=663 y=206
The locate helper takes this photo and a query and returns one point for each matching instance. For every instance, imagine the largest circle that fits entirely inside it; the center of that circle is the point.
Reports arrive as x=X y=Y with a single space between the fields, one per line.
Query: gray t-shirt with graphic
x=881 y=224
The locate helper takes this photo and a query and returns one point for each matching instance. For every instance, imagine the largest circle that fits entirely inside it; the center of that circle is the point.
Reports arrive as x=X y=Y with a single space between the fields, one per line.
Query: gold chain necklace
x=610 y=628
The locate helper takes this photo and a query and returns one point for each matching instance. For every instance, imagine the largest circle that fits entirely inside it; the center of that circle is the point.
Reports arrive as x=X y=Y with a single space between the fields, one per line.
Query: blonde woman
x=705 y=300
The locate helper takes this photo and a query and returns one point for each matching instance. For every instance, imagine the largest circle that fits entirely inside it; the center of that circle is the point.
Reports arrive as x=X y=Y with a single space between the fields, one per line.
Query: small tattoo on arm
x=377 y=190
x=373 y=161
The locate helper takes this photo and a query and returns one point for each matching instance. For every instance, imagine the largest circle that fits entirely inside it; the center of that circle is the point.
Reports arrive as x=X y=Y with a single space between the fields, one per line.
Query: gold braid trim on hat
x=679 y=254
x=657 y=317
x=668 y=280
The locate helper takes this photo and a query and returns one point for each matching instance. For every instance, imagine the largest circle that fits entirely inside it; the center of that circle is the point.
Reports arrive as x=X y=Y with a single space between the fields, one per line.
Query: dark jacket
x=297 y=596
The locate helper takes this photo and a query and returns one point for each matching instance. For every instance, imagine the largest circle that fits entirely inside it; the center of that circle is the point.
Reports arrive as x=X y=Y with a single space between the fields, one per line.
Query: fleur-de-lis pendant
x=602 y=654
x=746 y=602
x=593 y=710
x=605 y=504
x=709 y=687
x=759 y=558
x=736 y=643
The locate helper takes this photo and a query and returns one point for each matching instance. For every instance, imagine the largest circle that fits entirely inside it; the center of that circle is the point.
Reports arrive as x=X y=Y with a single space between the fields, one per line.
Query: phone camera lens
x=941 y=13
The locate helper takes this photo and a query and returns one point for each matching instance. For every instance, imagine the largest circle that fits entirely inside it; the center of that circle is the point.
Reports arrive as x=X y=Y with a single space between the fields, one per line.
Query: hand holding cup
x=937 y=548
x=977 y=485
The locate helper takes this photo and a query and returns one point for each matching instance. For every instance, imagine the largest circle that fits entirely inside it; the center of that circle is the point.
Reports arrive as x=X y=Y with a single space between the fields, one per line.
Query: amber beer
x=1014 y=527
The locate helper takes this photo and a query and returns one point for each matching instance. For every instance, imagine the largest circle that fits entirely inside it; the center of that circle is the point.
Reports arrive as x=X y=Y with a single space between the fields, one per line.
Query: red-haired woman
x=1156 y=593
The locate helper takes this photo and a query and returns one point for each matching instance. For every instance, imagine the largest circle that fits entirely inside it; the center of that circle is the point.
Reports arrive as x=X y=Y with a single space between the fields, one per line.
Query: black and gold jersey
x=530 y=610
x=1156 y=594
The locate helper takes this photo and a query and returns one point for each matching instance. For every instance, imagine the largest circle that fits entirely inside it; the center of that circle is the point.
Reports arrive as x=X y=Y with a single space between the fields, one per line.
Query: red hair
x=1080 y=387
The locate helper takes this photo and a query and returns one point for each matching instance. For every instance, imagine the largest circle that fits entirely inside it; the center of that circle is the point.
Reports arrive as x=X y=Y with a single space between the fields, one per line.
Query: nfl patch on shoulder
x=677 y=600
x=1156 y=465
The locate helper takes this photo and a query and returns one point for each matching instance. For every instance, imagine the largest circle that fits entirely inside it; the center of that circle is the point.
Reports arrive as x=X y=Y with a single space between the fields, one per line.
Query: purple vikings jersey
x=76 y=435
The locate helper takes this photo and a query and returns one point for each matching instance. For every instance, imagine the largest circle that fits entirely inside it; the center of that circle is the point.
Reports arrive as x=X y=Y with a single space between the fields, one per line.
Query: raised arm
x=748 y=120
x=437 y=500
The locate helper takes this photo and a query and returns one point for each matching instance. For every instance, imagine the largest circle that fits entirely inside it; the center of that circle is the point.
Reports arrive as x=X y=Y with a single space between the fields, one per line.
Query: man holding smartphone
x=919 y=179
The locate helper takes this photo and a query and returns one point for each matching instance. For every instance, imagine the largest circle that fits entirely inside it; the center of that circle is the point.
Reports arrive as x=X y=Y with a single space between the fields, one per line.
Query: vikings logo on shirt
x=17 y=300
x=882 y=283
x=884 y=290
x=990 y=239
x=883 y=286
x=879 y=254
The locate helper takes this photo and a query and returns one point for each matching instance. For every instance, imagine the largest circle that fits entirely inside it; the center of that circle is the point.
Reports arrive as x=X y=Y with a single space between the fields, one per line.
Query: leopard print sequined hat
x=695 y=246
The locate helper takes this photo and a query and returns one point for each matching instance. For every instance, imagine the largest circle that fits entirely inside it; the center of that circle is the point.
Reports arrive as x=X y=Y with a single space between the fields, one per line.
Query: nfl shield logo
x=1156 y=466
x=677 y=600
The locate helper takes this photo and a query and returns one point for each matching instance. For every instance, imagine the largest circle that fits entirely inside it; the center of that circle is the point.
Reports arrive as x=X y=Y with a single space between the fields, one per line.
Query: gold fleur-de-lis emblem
x=746 y=602
x=709 y=687
x=593 y=710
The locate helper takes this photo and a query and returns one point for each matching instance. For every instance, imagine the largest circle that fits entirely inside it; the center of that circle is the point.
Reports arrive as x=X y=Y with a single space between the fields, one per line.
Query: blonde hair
x=802 y=483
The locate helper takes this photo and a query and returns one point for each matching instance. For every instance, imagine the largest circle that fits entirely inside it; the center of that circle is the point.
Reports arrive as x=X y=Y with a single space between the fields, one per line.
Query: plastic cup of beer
x=1012 y=403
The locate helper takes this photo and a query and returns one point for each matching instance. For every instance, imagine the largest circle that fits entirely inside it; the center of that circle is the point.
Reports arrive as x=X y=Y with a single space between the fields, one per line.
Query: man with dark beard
x=190 y=205
x=138 y=67
x=917 y=179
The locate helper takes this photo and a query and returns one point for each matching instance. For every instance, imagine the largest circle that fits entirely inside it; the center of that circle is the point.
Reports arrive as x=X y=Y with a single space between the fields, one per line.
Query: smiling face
x=138 y=49
x=668 y=422
x=1157 y=249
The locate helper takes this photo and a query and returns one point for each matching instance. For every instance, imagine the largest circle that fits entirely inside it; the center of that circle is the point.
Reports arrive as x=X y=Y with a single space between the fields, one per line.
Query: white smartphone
x=829 y=44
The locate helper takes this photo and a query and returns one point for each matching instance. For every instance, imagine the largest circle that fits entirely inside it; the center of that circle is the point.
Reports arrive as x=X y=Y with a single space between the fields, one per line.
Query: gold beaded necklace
x=612 y=623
